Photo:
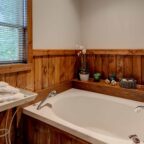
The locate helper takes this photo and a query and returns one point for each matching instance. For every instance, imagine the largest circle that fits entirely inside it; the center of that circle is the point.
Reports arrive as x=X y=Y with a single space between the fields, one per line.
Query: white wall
x=112 y=23
x=60 y=24
x=55 y=24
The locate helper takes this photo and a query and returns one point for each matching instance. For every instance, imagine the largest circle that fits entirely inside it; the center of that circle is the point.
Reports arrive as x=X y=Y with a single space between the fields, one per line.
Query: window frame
x=9 y=68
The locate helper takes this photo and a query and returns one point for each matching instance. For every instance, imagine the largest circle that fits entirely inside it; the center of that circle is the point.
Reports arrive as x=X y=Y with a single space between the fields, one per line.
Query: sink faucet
x=51 y=94
x=139 y=108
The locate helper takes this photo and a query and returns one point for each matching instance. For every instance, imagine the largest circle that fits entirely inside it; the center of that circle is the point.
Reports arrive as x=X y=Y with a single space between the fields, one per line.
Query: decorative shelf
x=102 y=87
x=28 y=97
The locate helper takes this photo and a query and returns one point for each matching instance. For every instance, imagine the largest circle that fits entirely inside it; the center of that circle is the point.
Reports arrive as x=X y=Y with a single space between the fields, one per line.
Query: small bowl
x=128 y=83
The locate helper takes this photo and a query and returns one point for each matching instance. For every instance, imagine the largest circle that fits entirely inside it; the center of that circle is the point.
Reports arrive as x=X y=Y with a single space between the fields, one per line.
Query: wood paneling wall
x=50 y=69
x=124 y=63
x=54 y=68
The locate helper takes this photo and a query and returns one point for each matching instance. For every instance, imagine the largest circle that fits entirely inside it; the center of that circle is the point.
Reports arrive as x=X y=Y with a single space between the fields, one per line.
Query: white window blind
x=13 y=31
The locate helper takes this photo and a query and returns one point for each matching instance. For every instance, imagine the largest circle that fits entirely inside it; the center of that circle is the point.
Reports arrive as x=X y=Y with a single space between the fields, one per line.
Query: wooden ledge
x=12 y=68
x=101 y=87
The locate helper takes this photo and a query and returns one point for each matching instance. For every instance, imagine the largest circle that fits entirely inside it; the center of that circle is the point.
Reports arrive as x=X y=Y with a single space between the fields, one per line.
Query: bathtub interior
x=100 y=114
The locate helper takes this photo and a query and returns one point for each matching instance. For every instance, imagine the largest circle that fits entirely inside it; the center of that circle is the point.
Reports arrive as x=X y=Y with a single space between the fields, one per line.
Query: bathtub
x=94 y=117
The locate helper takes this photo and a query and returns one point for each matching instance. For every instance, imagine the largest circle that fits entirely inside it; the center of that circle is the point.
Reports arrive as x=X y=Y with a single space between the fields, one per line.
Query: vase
x=84 y=77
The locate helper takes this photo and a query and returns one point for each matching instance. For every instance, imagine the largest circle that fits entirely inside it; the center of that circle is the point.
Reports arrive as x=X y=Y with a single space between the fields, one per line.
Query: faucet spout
x=51 y=94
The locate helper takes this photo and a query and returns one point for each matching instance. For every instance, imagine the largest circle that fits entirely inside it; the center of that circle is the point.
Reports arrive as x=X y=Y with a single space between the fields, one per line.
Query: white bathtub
x=96 y=118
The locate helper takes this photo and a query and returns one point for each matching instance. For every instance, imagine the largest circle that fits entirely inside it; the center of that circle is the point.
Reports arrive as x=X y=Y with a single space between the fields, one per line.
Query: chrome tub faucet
x=139 y=108
x=51 y=94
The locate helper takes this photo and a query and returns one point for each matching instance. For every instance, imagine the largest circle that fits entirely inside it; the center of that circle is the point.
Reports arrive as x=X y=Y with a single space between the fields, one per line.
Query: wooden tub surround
x=37 y=132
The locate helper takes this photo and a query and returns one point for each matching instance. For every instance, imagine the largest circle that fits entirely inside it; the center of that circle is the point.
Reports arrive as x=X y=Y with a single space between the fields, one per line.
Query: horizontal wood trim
x=12 y=68
x=115 y=51
x=53 y=52
x=101 y=87
x=62 y=52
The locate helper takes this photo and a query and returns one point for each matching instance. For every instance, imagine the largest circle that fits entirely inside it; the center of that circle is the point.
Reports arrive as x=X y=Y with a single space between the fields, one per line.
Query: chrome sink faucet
x=51 y=94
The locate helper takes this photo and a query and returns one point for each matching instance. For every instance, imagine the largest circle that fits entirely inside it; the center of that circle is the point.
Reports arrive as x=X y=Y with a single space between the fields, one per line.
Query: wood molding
x=115 y=51
x=53 y=52
x=101 y=87
x=12 y=68
x=62 y=52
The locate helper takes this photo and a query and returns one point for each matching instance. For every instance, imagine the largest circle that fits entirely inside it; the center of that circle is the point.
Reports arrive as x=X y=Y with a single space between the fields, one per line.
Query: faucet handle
x=52 y=93
x=139 y=108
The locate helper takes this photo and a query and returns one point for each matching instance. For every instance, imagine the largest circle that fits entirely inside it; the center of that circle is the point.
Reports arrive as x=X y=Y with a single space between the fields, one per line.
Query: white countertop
x=27 y=97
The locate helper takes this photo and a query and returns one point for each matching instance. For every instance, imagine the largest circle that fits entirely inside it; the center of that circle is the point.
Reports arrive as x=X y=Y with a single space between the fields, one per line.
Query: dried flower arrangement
x=83 y=70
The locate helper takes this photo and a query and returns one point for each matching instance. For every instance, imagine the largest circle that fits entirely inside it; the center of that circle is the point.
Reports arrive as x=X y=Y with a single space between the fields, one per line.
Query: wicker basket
x=128 y=83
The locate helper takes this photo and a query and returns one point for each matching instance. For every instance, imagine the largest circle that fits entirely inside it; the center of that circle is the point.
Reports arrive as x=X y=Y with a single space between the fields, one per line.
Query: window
x=13 y=31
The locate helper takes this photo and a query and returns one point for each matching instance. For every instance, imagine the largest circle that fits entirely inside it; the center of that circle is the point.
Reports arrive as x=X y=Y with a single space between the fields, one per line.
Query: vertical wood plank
x=62 y=69
x=128 y=66
x=57 y=69
x=142 y=70
x=120 y=67
x=65 y=139
x=51 y=70
x=2 y=77
x=11 y=79
x=72 y=69
x=112 y=64
x=21 y=80
x=45 y=72
x=2 y=124
x=98 y=63
x=38 y=73
x=105 y=66
x=91 y=64
x=68 y=67
x=30 y=79
x=137 y=68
